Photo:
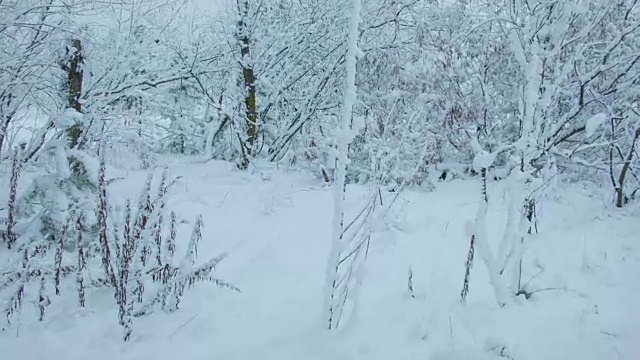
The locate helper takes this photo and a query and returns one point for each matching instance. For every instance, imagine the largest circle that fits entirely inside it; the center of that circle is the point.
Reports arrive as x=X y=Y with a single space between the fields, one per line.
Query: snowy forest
x=320 y=179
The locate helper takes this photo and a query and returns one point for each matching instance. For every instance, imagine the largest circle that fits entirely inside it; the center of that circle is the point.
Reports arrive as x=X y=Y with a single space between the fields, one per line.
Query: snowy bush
x=138 y=253
x=52 y=241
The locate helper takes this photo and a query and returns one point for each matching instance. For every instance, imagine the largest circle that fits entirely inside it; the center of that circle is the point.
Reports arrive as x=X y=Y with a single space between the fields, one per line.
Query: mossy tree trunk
x=249 y=77
x=74 y=69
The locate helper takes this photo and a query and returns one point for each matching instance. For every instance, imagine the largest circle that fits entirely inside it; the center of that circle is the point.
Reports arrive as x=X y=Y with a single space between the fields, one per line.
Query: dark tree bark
x=73 y=68
x=74 y=88
x=249 y=77
x=620 y=198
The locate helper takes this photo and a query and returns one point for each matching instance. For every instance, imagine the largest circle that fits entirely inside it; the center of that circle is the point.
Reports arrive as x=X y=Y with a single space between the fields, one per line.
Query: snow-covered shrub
x=48 y=224
x=505 y=264
x=58 y=231
x=138 y=254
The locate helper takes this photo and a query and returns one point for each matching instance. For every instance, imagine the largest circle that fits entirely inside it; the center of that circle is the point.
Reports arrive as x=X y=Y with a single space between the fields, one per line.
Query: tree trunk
x=73 y=68
x=250 y=85
x=620 y=198
x=74 y=88
x=4 y=127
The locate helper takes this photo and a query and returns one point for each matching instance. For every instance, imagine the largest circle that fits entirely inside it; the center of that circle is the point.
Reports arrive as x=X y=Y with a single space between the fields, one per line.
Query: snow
x=482 y=160
x=62 y=161
x=584 y=266
x=67 y=119
x=594 y=122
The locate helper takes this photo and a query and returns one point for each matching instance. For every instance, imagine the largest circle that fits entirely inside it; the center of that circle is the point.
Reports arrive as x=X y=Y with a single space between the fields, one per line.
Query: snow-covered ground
x=276 y=227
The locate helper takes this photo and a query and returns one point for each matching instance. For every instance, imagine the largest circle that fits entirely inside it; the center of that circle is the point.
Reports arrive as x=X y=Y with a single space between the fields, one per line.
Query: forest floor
x=584 y=266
